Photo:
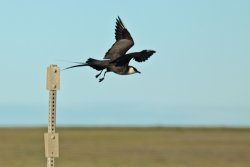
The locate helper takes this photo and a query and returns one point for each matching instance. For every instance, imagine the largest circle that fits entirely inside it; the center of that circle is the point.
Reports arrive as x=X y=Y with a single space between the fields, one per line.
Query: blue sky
x=199 y=75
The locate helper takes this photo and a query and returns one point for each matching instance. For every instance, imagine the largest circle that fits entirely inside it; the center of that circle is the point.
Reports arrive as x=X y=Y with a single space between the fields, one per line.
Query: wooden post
x=52 y=138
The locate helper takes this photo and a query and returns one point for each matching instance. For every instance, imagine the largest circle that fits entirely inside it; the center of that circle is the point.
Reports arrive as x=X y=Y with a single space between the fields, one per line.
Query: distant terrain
x=129 y=147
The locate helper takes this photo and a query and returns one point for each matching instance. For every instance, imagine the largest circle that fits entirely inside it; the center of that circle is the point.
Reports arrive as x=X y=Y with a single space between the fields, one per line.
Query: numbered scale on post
x=52 y=138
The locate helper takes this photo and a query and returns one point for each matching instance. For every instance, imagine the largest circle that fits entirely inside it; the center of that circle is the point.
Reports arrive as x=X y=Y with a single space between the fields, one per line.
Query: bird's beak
x=139 y=72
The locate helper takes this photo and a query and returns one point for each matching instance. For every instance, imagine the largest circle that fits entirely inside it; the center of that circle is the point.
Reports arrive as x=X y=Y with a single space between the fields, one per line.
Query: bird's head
x=133 y=70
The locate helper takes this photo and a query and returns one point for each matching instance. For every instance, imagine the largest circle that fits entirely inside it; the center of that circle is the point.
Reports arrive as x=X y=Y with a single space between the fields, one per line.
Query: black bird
x=116 y=60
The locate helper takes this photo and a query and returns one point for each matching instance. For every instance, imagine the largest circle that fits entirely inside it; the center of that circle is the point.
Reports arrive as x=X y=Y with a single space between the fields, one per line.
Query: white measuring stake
x=52 y=138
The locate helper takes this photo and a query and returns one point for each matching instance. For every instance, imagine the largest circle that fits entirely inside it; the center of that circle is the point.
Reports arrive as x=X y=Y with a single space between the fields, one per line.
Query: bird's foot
x=98 y=74
x=100 y=80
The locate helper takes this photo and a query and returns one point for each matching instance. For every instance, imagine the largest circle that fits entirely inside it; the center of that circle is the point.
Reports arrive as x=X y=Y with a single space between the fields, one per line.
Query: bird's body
x=116 y=59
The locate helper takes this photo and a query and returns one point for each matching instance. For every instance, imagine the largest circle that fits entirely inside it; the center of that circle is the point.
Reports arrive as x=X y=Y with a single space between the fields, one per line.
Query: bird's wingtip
x=119 y=19
x=151 y=51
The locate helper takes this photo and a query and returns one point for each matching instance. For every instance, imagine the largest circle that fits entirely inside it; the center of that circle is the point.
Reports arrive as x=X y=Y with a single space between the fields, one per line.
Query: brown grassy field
x=128 y=147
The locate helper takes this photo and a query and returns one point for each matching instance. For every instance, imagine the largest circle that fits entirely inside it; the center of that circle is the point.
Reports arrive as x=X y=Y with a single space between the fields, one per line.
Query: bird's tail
x=96 y=64
x=79 y=65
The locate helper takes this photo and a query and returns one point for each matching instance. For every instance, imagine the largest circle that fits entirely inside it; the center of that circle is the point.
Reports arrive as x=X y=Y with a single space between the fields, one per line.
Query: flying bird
x=116 y=60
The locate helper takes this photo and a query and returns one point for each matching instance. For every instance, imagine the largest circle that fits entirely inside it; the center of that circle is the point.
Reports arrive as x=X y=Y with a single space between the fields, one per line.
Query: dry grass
x=129 y=147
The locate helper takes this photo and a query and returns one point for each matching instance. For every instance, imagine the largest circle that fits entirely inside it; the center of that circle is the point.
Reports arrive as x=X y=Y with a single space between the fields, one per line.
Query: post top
x=53 y=66
x=53 y=77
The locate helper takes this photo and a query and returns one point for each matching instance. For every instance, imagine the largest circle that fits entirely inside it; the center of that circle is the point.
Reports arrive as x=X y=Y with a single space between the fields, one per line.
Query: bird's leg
x=101 y=79
x=98 y=74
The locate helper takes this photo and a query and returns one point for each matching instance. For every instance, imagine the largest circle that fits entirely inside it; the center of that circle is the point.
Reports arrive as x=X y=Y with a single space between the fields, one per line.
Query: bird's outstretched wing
x=137 y=56
x=123 y=43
